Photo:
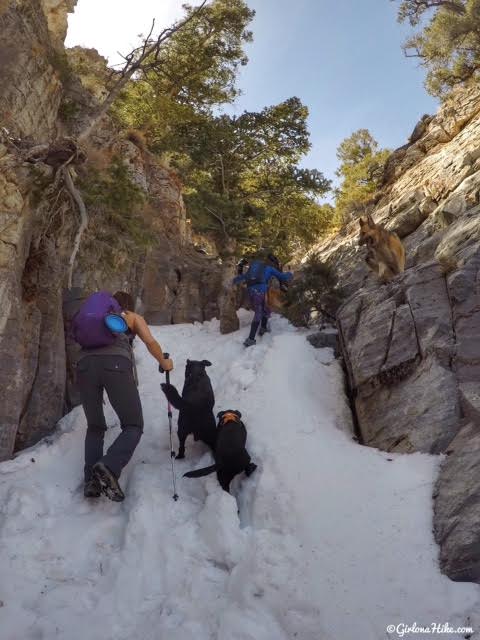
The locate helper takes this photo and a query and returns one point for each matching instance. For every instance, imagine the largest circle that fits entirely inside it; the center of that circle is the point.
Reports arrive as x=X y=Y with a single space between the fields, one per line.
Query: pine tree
x=449 y=43
x=360 y=171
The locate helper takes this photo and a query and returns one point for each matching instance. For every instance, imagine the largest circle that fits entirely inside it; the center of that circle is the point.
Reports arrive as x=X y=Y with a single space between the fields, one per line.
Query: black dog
x=231 y=456
x=195 y=405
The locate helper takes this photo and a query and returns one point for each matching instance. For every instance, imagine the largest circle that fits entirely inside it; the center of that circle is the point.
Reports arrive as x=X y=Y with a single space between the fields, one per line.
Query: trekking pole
x=172 y=452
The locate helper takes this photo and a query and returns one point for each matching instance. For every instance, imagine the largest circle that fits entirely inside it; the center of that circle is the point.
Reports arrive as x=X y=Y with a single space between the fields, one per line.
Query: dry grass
x=98 y=159
x=137 y=138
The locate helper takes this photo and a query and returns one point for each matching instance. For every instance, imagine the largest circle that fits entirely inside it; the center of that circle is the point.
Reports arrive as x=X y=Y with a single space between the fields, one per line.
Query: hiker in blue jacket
x=257 y=278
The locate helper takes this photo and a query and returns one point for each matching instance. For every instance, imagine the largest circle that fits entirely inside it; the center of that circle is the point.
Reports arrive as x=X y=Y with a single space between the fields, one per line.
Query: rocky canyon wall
x=39 y=222
x=412 y=347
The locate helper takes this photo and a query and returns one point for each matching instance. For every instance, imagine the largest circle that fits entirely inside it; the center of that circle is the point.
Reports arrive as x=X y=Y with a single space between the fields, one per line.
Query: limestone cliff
x=412 y=347
x=43 y=92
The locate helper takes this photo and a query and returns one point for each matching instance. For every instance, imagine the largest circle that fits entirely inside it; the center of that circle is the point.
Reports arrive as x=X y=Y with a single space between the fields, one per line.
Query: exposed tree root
x=75 y=193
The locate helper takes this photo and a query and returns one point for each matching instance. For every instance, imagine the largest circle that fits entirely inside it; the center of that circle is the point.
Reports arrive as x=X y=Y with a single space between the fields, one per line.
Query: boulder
x=457 y=507
x=408 y=220
x=398 y=344
x=324 y=340
x=412 y=351
x=420 y=128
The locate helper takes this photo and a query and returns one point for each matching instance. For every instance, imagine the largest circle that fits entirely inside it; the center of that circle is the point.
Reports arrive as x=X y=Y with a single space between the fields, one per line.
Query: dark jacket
x=269 y=272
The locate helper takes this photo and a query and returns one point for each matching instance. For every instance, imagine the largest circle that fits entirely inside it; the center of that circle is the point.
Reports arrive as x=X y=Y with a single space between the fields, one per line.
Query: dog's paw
x=250 y=468
x=179 y=456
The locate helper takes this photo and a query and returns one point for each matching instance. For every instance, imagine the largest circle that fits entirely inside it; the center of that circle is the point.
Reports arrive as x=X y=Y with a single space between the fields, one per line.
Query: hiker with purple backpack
x=105 y=327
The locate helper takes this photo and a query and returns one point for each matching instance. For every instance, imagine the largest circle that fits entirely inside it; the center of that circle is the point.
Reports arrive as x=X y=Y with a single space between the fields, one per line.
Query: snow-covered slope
x=332 y=540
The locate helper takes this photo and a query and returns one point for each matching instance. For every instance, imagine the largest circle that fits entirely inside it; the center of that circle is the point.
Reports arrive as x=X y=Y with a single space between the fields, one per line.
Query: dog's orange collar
x=230 y=417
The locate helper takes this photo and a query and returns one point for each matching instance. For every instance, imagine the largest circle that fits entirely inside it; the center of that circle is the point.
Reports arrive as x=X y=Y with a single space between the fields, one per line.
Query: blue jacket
x=269 y=272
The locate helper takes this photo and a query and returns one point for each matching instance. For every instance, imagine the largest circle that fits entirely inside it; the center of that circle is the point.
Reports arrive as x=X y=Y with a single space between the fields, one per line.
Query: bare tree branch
x=135 y=61
x=222 y=167
x=412 y=10
x=455 y=7
x=219 y=218
x=417 y=53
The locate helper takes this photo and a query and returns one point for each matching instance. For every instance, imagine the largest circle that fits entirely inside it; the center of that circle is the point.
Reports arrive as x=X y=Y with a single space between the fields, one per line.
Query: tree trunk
x=227 y=300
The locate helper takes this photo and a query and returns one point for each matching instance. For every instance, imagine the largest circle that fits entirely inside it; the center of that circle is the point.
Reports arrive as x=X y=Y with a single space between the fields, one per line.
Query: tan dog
x=275 y=299
x=386 y=253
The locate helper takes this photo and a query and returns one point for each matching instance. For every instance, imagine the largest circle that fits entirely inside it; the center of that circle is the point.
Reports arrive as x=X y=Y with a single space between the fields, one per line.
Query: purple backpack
x=88 y=325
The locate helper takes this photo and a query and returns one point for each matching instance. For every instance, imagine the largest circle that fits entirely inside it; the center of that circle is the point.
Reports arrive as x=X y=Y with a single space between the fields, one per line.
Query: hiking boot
x=249 y=342
x=108 y=482
x=92 y=488
x=263 y=330
x=250 y=468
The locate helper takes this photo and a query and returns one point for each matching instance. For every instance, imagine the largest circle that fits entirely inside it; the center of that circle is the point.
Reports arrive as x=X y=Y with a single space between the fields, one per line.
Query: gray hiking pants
x=115 y=375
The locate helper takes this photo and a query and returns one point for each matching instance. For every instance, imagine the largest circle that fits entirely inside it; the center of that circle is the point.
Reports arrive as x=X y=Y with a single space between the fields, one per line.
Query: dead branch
x=137 y=60
x=417 y=53
x=415 y=8
x=455 y=7
x=222 y=167
x=219 y=218
x=83 y=220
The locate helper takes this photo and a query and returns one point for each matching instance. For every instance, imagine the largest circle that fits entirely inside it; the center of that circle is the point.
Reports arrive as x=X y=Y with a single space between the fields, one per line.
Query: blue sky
x=342 y=58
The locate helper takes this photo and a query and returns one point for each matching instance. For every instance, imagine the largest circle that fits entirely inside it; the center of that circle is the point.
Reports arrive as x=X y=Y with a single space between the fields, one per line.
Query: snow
x=332 y=539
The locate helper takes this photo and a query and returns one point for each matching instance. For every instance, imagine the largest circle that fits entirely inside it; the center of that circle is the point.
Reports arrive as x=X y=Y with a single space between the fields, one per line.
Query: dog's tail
x=198 y=473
